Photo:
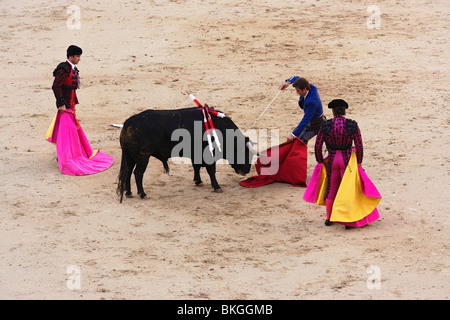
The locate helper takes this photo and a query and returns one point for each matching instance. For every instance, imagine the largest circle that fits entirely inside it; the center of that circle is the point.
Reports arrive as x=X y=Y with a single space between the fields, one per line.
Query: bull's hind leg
x=197 y=179
x=141 y=166
x=131 y=163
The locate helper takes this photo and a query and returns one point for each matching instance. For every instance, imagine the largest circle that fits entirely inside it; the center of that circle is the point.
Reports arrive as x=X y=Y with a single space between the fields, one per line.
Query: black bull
x=179 y=133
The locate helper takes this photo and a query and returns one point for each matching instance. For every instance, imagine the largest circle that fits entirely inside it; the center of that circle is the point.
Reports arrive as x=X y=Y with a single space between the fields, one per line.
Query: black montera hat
x=338 y=103
x=73 y=51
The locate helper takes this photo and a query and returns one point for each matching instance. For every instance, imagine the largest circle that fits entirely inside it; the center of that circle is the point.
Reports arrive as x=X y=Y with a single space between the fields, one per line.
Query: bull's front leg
x=211 y=169
x=197 y=179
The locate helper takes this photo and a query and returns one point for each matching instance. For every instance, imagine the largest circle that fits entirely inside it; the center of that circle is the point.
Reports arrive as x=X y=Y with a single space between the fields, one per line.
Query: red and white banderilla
x=206 y=110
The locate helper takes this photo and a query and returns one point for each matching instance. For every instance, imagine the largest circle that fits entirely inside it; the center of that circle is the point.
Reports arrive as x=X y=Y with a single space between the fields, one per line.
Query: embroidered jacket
x=338 y=134
x=65 y=85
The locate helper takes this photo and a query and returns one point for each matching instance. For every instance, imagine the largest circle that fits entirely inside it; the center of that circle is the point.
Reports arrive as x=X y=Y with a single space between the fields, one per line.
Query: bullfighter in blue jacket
x=311 y=104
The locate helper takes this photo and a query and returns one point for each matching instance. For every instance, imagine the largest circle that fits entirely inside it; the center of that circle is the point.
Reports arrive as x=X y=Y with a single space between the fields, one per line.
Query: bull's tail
x=124 y=168
x=123 y=174
x=166 y=166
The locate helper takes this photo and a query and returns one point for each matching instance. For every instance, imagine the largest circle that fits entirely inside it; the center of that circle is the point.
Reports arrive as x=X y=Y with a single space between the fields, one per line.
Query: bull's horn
x=251 y=149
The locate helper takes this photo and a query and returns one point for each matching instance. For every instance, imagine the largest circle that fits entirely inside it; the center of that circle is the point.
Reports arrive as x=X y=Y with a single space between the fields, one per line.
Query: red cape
x=286 y=163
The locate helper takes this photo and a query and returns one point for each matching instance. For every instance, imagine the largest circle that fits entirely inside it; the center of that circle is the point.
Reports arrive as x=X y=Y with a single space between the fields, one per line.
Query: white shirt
x=73 y=66
x=305 y=95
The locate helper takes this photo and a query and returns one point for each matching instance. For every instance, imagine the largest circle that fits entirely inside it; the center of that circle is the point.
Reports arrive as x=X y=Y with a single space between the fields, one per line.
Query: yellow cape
x=50 y=128
x=350 y=204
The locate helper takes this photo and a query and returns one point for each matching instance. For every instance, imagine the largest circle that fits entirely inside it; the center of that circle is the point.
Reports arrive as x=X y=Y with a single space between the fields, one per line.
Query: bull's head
x=243 y=156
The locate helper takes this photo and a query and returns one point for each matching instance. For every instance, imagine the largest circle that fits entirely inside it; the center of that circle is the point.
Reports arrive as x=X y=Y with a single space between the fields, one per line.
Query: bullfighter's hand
x=285 y=85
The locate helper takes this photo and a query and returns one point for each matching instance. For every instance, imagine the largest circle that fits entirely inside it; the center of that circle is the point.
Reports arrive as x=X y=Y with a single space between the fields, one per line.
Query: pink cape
x=317 y=185
x=75 y=155
x=283 y=163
